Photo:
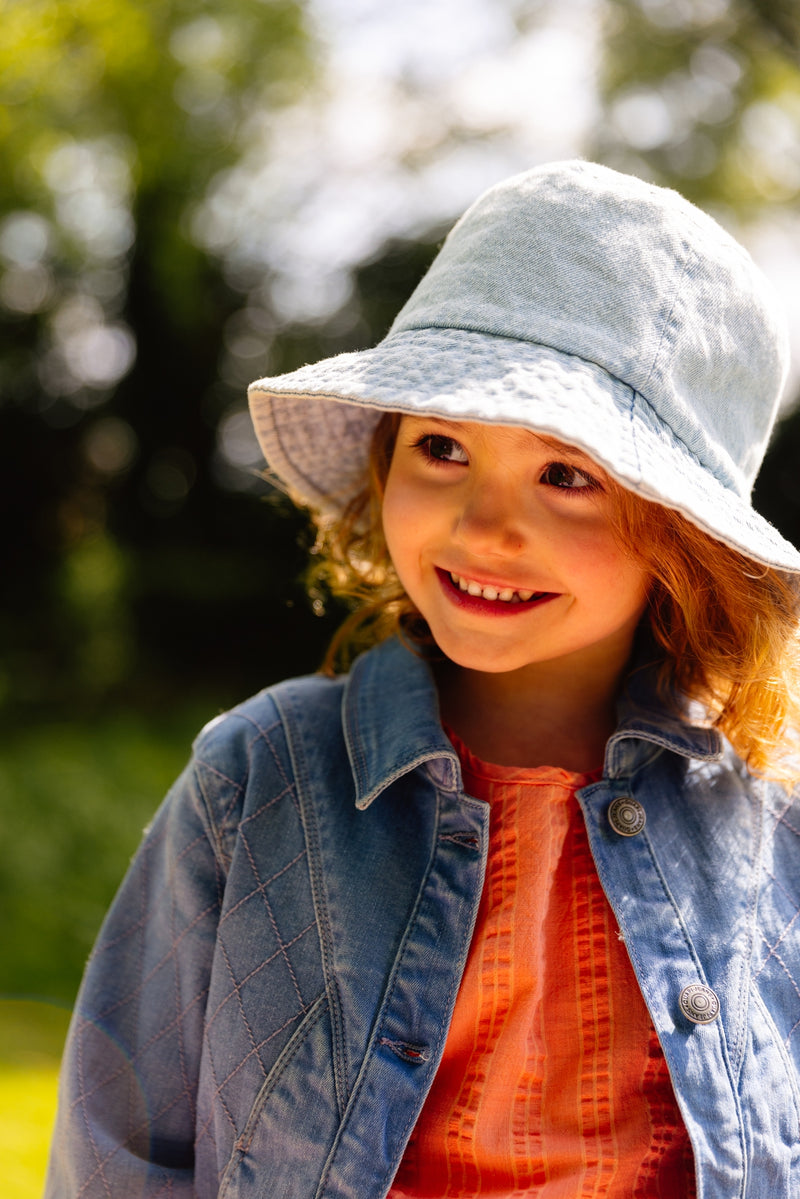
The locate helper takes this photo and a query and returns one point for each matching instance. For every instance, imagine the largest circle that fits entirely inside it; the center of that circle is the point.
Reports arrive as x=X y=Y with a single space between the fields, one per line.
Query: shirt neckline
x=541 y=775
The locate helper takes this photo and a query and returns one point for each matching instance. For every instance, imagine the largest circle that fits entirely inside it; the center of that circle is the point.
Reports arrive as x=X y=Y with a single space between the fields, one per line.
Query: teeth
x=507 y=595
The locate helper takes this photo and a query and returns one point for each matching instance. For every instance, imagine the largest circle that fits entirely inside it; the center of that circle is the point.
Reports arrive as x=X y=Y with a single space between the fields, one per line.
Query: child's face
x=505 y=543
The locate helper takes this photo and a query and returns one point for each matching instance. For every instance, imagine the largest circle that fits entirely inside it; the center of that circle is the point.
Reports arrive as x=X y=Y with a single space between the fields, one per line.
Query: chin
x=481 y=662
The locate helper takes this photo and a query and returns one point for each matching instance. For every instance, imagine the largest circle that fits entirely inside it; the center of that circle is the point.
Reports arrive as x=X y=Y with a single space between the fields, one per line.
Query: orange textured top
x=553 y=1082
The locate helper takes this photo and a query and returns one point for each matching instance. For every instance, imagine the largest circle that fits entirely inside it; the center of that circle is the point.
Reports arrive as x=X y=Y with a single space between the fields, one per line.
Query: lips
x=486 y=597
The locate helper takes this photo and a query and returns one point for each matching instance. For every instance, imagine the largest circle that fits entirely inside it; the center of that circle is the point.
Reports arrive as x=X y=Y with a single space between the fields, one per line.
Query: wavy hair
x=725 y=628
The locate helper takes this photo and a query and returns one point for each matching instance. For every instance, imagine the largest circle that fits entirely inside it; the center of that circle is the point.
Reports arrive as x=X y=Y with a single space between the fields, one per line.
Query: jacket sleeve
x=127 y=1104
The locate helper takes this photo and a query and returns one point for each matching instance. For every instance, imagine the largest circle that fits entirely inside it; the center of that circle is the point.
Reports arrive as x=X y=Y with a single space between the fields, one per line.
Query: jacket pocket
x=293 y=1121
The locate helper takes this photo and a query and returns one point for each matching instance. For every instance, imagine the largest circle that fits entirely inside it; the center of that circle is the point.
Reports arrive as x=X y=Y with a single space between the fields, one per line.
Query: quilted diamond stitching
x=780 y=915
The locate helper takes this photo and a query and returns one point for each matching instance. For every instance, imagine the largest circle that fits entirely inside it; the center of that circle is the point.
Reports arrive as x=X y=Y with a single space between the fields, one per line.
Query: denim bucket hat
x=580 y=303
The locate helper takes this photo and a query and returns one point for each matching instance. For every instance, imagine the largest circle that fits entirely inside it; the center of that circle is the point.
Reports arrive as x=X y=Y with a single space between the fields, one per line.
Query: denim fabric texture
x=578 y=302
x=269 y=997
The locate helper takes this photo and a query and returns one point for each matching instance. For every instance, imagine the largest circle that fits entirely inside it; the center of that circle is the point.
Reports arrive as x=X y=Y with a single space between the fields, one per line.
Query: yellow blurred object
x=31 y=1037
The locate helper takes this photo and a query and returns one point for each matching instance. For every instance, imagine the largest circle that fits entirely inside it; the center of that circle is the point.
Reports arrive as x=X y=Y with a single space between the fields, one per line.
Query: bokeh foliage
x=114 y=118
x=704 y=95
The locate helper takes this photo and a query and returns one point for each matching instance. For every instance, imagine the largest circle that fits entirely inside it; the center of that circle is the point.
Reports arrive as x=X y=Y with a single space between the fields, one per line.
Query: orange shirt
x=553 y=1082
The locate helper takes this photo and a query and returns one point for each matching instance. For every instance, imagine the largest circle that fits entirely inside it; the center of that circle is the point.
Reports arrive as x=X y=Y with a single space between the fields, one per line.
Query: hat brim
x=314 y=424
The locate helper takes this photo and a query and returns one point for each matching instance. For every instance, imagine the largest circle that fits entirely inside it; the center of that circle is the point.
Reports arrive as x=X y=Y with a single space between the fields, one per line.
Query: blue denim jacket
x=269 y=997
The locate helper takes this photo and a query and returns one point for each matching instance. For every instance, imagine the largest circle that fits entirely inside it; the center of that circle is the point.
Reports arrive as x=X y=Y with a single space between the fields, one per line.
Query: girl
x=512 y=908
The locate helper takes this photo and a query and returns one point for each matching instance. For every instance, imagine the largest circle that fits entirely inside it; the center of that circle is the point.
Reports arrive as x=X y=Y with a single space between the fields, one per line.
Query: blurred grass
x=74 y=799
x=31 y=1037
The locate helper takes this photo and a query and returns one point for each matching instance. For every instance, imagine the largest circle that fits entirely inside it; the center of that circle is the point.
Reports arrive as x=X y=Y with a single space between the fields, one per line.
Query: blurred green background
x=196 y=194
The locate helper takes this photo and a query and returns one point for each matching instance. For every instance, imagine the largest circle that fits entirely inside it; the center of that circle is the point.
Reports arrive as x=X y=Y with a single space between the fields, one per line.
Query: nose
x=489 y=521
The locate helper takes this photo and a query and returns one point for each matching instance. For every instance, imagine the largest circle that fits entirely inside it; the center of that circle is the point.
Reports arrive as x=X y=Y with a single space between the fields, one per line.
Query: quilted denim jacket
x=269 y=997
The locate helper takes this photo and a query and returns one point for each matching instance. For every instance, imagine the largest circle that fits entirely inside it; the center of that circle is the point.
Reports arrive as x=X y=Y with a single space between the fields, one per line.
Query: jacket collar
x=646 y=722
x=390 y=713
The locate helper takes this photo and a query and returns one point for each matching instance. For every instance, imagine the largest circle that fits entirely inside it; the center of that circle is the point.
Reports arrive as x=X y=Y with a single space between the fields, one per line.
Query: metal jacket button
x=626 y=816
x=699 y=1003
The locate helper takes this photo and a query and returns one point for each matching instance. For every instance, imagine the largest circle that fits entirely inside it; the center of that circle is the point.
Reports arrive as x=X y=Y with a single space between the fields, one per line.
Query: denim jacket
x=269 y=996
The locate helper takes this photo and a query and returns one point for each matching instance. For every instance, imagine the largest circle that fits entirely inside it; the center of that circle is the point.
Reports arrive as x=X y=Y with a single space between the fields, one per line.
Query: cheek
x=619 y=580
x=400 y=517
x=391 y=518
x=629 y=584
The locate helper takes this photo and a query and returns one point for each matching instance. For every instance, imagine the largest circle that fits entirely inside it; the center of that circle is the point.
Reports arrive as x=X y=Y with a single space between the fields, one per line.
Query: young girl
x=513 y=908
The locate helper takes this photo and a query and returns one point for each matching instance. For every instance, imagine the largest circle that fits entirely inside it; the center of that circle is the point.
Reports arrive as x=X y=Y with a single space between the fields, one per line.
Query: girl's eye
x=568 y=478
x=438 y=448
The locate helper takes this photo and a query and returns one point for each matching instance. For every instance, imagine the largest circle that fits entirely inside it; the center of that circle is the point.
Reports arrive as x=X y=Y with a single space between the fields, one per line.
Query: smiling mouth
x=505 y=595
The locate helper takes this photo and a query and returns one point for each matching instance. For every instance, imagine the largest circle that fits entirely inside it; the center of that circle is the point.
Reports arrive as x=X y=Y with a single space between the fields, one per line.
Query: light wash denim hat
x=580 y=303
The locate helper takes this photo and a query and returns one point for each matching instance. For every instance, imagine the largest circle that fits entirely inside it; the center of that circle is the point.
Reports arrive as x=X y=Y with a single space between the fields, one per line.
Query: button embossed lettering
x=699 y=1003
x=626 y=816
